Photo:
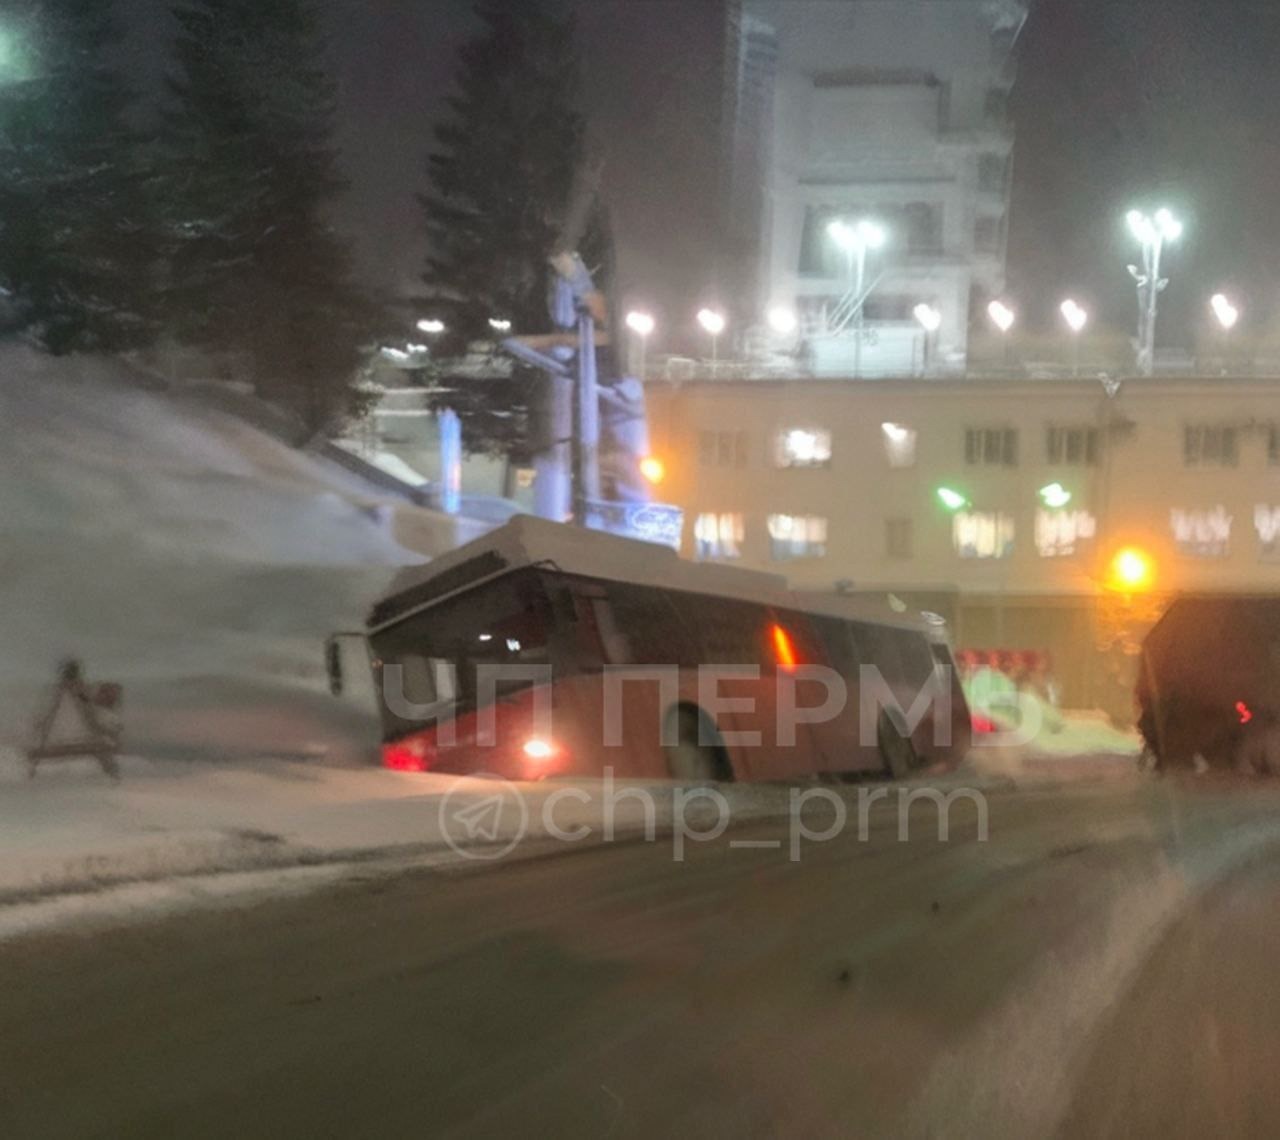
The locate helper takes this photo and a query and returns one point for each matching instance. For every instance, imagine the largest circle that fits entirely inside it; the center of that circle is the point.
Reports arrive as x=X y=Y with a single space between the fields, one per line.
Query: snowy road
x=1068 y=976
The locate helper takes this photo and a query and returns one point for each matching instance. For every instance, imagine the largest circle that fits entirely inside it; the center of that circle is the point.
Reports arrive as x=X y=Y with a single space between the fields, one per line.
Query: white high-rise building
x=891 y=113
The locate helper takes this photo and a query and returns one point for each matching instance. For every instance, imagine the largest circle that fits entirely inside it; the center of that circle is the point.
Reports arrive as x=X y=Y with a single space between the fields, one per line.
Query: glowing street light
x=929 y=319
x=653 y=469
x=1225 y=311
x=952 y=500
x=642 y=324
x=431 y=326
x=713 y=324
x=1003 y=318
x=1076 y=318
x=855 y=240
x=1001 y=315
x=1131 y=571
x=782 y=320
x=1152 y=233
x=1075 y=315
x=499 y=324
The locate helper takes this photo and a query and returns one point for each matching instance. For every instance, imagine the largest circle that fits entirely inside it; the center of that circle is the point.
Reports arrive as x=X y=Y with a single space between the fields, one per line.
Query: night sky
x=1118 y=102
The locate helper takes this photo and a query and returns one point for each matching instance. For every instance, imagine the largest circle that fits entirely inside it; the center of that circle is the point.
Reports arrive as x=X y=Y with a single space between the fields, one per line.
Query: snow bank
x=70 y=831
x=1058 y=745
x=185 y=553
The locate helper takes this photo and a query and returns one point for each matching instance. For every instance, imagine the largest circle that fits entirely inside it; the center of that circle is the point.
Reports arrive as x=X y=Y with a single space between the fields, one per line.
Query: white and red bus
x=547 y=650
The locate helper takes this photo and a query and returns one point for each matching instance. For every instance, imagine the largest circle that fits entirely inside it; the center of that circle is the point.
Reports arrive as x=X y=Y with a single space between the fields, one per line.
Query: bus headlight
x=535 y=748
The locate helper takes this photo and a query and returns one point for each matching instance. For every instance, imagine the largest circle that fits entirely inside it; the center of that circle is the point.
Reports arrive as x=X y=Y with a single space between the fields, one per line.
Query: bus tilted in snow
x=545 y=650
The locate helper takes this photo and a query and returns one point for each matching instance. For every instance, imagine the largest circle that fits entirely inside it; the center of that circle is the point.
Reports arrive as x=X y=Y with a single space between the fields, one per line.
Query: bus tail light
x=409 y=755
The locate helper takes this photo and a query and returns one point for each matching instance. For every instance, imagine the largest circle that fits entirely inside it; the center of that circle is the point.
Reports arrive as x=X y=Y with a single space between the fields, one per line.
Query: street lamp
x=1152 y=233
x=713 y=324
x=499 y=324
x=930 y=319
x=642 y=324
x=1225 y=311
x=1227 y=315
x=1001 y=315
x=782 y=320
x=431 y=326
x=855 y=240
x=1003 y=318
x=1076 y=318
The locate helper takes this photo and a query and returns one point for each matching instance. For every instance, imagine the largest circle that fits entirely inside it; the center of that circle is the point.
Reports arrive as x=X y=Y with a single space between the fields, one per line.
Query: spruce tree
x=500 y=178
x=76 y=244
x=250 y=172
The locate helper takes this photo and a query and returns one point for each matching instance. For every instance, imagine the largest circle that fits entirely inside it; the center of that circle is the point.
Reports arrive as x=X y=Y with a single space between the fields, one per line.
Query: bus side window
x=650 y=628
x=837 y=643
x=727 y=631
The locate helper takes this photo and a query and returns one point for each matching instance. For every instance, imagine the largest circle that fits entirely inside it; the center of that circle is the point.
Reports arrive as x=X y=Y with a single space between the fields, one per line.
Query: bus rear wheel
x=896 y=749
x=698 y=755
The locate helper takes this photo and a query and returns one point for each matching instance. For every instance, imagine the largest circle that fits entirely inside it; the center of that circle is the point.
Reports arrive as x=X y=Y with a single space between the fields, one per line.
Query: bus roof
x=529 y=541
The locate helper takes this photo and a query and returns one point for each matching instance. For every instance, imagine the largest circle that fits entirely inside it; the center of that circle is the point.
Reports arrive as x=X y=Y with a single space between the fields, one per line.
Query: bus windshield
x=433 y=658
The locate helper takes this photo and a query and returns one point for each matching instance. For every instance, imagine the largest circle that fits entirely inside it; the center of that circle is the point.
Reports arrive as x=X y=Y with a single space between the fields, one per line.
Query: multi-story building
x=1001 y=504
x=892 y=112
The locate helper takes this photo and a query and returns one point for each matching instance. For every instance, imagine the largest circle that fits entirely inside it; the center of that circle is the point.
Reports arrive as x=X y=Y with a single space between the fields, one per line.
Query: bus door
x=839 y=738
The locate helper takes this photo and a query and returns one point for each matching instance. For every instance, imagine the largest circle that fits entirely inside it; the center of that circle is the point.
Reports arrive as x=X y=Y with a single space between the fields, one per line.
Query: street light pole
x=1003 y=318
x=931 y=321
x=1076 y=318
x=1227 y=315
x=1152 y=233
x=713 y=323
x=642 y=324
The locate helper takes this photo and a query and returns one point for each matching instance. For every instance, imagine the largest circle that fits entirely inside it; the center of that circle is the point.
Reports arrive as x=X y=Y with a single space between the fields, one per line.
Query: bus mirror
x=333 y=665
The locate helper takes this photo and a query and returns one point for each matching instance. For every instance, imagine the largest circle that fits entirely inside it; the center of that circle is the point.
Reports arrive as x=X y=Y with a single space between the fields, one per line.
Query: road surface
x=1105 y=964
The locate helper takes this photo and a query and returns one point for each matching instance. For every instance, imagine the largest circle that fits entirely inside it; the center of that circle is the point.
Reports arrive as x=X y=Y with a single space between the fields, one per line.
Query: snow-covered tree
x=257 y=271
x=501 y=176
x=76 y=242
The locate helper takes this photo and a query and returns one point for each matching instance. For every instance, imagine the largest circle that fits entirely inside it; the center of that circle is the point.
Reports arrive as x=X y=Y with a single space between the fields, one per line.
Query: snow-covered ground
x=187 y=554
x=71 y=834
x=200 y=562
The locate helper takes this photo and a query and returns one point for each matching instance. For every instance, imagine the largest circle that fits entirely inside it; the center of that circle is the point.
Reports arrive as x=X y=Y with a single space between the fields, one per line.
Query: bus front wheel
x=698 y=755
x=896 y=749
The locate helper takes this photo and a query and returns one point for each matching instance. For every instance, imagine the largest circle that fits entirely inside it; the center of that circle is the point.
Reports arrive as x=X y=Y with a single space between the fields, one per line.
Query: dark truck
x=1209 y=684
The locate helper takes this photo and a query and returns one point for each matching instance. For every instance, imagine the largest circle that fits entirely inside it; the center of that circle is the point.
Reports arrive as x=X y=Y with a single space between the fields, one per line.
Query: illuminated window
x=797 y=536
x=897 y=537
x=899 y=444
x=982 y=534
x=1060 y=533
x=1266 y=521
x=991 y=447
x=1209 y=445
x=722 y=448
x=804 y=447
x=717 y=536
x=1202 y=534
x=1074 y=446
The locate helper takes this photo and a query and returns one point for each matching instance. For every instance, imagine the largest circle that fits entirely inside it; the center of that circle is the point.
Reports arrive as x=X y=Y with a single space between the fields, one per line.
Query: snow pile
x=1055 y=745
x=70 y=831
x=184 y=553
